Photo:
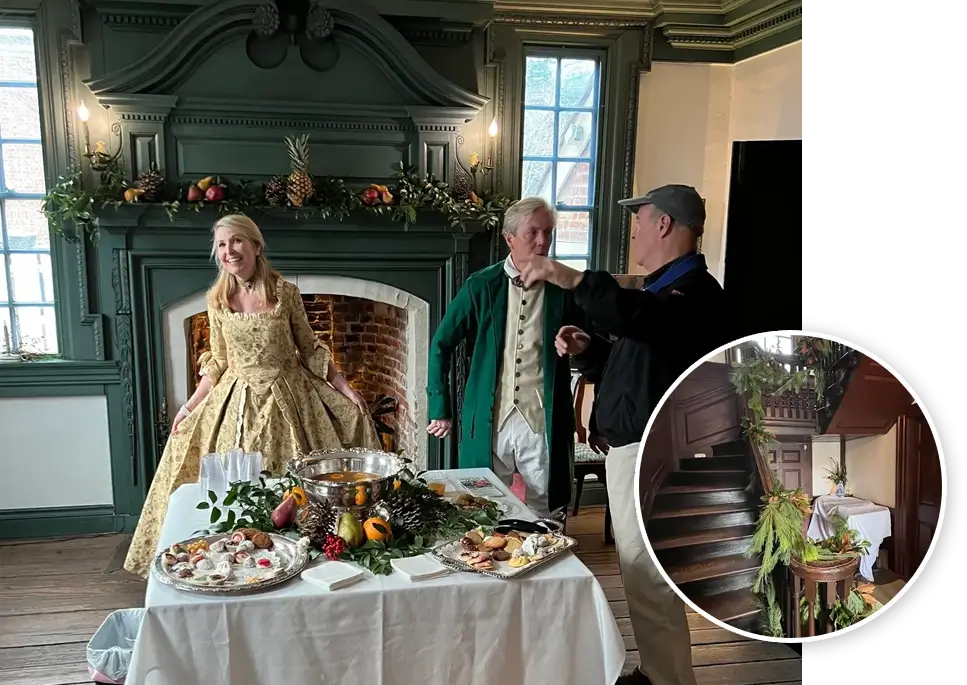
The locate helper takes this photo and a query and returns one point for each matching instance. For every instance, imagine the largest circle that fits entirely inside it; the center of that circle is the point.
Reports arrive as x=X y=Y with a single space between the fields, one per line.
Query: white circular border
x=766 y=638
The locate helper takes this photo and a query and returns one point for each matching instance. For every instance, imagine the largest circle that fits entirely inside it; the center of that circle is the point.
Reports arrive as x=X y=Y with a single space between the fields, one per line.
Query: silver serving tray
x=295 y=555
x=503 y=570
x=386 y=466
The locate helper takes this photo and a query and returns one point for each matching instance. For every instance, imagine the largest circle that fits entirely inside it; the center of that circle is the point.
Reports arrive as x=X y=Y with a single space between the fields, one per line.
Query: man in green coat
x=518 y=412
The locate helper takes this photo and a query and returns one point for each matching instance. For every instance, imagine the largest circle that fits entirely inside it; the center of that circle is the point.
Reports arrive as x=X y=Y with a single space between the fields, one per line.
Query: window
x=27 y=315
x=561 y=94
x=776 y=344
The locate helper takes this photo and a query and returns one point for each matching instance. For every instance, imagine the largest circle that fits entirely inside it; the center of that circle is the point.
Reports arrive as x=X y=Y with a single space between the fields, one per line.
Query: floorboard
x=49 y=610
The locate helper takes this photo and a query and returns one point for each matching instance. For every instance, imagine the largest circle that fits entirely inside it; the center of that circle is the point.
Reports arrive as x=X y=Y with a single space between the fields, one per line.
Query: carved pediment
x=356 y=57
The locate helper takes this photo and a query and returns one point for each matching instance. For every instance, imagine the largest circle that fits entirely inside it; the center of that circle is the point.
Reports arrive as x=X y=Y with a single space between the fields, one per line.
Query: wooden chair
x=586 y=460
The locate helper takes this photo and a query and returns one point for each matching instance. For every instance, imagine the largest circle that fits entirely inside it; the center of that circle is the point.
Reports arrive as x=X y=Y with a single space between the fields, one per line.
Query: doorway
x=919 y=490
x=763 y=239
x=793 y=461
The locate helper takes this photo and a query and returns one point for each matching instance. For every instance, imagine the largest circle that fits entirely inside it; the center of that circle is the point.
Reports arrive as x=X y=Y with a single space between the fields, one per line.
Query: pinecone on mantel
x=152 y=183
x=266 y=19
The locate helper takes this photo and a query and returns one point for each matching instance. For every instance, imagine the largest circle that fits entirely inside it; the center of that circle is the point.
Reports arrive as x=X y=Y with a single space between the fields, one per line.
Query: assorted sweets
x=488 y=551
x=244 y=557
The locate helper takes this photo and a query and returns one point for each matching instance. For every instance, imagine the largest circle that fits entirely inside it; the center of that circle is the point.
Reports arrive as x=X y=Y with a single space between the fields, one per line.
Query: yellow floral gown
x=269 y=395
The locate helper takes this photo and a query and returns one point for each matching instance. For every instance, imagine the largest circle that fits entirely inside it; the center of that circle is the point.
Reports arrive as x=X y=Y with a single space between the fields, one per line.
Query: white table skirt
x=553 y=625
x=872 y=521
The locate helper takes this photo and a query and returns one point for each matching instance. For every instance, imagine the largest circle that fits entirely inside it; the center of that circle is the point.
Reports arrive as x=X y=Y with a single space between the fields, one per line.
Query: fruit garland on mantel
x=69 y=204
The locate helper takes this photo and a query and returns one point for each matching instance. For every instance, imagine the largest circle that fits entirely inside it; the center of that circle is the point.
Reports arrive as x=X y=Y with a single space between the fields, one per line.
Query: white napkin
x=333 y=575
x=422 y=567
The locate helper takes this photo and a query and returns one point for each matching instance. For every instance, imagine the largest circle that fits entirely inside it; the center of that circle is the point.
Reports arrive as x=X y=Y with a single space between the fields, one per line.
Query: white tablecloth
x=871 y=520
x=553 y=625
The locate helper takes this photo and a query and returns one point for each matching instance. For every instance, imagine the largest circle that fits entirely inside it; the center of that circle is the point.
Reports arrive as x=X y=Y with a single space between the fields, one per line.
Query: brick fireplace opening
x=379 y=340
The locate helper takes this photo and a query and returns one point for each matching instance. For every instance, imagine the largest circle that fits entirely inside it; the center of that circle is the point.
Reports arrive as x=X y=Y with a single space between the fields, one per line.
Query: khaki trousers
x=657 y=612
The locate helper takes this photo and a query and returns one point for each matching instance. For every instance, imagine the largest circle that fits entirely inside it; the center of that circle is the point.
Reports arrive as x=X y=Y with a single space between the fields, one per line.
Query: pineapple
x=152 y=185
x=276 y=190
x=300 y=182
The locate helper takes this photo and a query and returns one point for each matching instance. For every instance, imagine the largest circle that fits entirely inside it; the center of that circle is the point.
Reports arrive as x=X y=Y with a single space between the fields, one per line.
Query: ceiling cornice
x=687 y=26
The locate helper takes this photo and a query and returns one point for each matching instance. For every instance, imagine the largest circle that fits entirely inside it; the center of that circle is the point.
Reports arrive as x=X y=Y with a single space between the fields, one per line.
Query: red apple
x=370 y=196
x=215 y=194
x=195 y=194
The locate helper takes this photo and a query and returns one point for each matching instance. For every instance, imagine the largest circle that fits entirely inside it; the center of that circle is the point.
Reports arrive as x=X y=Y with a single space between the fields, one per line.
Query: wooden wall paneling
x=705 y=411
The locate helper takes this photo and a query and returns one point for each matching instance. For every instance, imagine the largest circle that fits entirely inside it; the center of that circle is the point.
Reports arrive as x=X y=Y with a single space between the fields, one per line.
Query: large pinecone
x=276 y=190
x=316 y=521
x=416 y=510
x=153 y=185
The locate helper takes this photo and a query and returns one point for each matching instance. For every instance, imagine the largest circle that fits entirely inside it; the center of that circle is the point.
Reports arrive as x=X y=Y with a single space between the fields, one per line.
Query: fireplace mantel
x=146 y=263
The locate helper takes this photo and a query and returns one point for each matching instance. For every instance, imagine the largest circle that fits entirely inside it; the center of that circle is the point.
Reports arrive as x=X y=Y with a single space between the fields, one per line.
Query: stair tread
x=719 y=471
x=680 y=512
x=702 y=537
x=711 y=568
x=698 y=487
x=729 y=606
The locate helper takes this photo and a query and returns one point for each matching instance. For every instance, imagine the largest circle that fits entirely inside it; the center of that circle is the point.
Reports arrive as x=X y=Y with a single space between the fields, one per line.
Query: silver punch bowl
x=353 y=478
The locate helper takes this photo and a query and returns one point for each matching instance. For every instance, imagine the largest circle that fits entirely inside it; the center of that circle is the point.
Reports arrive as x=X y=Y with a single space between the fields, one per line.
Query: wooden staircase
x=700 y=525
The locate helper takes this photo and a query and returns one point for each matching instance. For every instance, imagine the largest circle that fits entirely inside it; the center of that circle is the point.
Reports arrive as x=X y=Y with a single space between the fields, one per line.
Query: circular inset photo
x=790 y=486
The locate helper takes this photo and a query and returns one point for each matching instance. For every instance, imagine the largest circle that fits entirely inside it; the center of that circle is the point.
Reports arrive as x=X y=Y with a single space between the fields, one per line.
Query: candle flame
x=82 y=113
x=493 y=128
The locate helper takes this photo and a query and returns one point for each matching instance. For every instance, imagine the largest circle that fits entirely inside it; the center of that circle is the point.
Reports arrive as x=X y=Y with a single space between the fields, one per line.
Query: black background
x=877 y=260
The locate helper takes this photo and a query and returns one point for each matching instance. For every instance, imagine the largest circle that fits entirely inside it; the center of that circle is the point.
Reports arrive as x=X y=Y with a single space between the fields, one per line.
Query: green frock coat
x=478 y=314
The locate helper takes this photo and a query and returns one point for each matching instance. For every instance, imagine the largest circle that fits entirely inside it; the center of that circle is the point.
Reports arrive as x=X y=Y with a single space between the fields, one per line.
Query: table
x=553 y=625
x=872 y=521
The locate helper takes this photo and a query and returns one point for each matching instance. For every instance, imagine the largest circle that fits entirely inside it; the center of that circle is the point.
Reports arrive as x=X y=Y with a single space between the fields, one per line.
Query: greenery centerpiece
x=837 y=476
x=780 y=536
x=407 y=523
x=71 y=208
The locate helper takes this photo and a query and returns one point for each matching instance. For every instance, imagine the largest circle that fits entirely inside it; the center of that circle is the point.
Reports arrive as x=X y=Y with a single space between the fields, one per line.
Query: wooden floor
x=55 y=594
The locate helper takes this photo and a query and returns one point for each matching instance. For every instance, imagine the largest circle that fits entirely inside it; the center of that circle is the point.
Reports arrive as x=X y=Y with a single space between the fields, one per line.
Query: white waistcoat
x=521 y=382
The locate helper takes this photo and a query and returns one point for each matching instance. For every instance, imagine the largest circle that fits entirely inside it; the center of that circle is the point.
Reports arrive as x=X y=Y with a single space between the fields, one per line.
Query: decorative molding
x=436 y=34
x=141 y=22
x=62 y=521
x=208 y=28
x=573 y=21
x=58 y=373
x=461 y=272
x=734 y=35
x=125 y=344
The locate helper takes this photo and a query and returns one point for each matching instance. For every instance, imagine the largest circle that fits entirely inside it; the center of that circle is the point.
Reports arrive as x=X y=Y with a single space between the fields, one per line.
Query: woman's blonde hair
x=264 y=278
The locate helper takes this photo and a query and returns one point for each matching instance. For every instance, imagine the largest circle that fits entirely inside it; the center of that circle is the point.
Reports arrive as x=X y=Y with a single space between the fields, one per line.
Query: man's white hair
x=522 y=210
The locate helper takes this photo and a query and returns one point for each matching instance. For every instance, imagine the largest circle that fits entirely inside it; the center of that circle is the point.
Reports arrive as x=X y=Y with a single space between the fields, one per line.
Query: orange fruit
x=298 y=494
x=360 y=496
x=375 y=527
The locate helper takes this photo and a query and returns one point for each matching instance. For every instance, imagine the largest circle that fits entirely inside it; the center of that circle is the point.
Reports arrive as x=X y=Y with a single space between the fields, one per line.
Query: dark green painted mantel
x=416 y=81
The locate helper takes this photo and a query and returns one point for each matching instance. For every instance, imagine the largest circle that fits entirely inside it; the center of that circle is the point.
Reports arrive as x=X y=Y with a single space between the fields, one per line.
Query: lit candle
x=83 y=114
x=493 y=128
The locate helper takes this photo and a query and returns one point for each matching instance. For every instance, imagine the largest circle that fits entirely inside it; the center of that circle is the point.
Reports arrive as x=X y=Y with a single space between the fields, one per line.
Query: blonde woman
x=267 y=384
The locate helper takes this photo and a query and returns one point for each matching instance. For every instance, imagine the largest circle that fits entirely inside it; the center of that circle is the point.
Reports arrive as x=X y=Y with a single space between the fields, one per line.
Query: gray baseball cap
x=682 y=203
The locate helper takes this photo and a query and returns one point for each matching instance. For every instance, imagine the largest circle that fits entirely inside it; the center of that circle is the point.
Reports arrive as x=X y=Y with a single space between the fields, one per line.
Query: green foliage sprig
x=257 y=503
x=71 y=209
x=69 y=204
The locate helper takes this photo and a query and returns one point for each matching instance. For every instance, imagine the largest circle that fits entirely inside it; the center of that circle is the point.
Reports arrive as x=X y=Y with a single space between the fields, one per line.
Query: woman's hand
x=355 y=398
x=179 y=417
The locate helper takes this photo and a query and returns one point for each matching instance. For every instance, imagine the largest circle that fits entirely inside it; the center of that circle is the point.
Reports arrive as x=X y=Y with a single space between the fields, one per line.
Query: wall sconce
x=100 y=159
x=489 y=166
x=492 y=132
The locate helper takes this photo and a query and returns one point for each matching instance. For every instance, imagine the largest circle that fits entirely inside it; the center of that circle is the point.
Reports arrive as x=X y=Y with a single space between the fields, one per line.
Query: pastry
x=494 y=541
x=182 y=556
x=518 y=562
x=204 y=564
x=501 y=555
x=177 y=549
x=185 y=573
x=218 y=545
x=195 y=558
x=511 y=544
x=245 y=546
x=263 y=563
x=168 y=560
x=216 y=579
x=197 y=546
x=475 y=537
x=262 y=540
x=237 y=537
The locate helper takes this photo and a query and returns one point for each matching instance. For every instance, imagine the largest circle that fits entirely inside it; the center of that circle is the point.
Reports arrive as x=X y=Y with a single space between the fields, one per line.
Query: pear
x=350 y=530
x=284 y=514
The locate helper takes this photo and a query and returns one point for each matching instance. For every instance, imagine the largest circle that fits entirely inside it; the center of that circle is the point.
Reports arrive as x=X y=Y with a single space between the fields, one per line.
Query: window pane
x=579 y=264
x=6 y=341
x=536 y=180
x=4 y=295
x=23 y=168
x=26 y=225
x=577 y=82
x=31 y=278
x=573 y=183
x=19 y=113
x=538 y=133
x=17 y=61
x=571 y=235
x=38 y=329
x=574 y=134
x=540 y=81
